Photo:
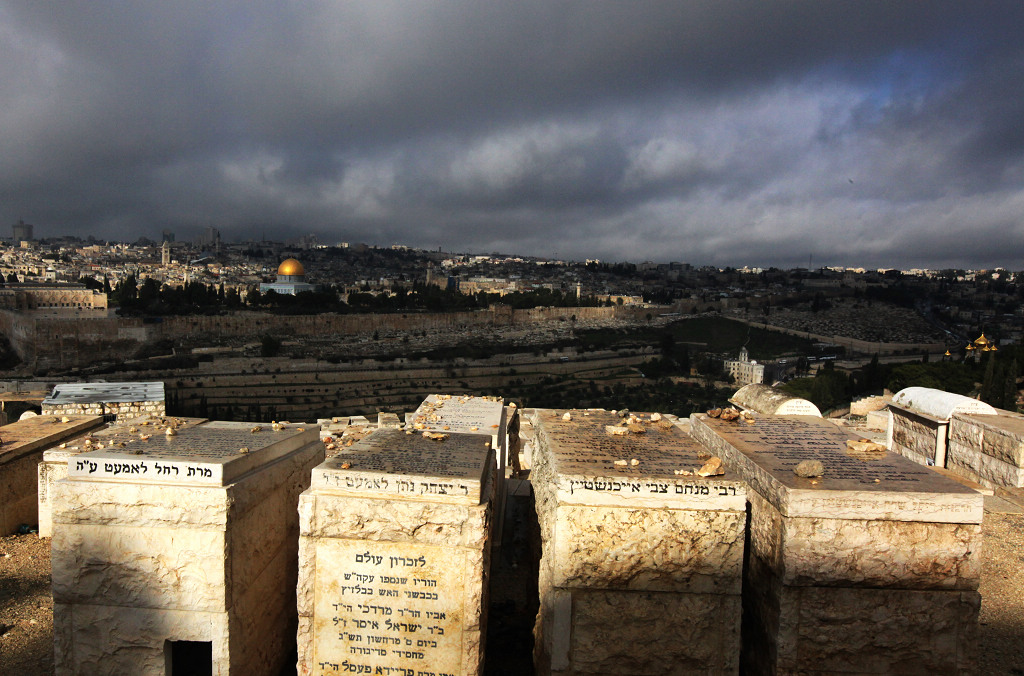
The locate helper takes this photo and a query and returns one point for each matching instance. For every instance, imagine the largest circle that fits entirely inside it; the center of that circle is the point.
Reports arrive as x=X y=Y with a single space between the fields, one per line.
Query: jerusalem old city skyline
x=511 y=339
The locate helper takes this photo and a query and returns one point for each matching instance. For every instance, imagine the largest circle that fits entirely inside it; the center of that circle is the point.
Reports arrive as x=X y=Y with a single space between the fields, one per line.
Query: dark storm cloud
x=871 y=133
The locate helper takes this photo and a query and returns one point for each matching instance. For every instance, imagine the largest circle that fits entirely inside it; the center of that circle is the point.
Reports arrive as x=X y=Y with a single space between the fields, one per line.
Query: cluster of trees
x=152 y=298
x=994 y=380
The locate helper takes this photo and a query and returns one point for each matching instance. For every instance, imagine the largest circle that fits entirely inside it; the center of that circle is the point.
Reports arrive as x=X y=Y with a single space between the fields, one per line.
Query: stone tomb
x=120 y=400
x=177 y=554
x=871 y=568
x=22 y=445
x=465 y=414
x=919 y=420
x=641 y=569
x=54 y=466
x=393 y=557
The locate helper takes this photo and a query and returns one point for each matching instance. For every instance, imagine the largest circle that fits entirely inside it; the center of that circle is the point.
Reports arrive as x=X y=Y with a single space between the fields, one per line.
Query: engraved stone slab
x=584 y=459
x=388 y=608
x=210 y=454
x=460 y=413
x=117 y=434
x=396 y=463
x=37 y=432
x=854 y=485
x=463 y=414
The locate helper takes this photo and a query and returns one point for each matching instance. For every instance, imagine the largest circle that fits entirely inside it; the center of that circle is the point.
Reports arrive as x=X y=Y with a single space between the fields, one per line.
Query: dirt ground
x=26 y=607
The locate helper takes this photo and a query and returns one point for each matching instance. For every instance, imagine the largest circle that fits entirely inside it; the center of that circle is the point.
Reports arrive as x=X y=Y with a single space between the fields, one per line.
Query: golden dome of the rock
x=291 y=268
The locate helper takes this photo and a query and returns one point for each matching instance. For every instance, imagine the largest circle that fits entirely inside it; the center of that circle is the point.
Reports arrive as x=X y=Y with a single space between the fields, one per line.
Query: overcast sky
x=713 y=132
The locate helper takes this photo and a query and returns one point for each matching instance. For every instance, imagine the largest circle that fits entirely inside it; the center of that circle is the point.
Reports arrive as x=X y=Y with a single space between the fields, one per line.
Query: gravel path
x=26 y=608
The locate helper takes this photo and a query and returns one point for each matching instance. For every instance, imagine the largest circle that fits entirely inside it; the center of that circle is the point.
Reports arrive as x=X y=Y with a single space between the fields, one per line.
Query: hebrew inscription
x=387 y=608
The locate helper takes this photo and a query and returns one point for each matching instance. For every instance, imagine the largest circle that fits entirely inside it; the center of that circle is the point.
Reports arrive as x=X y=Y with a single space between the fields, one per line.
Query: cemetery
x=736 y=541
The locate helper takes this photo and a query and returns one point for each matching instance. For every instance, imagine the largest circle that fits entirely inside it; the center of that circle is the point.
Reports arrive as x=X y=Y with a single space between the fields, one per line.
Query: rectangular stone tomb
x=641 y=569
x=465 y=414
x=869 y=566
x=54 y=466
x=393 y=557
x=177 y=554
x=124 y=400
x=988 y=449
x=918 y=436
x=22 y=445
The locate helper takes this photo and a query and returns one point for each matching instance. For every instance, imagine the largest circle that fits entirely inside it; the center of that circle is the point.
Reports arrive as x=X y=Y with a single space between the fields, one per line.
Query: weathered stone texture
x=616 y=632
x=914 y=437
x=21 y=450
x=872 y=631
x=869 y=569
x=139 y=563
x=865 y=553
x=650 y=550
x=393 y=557
x=988 y=449
x=635 y=577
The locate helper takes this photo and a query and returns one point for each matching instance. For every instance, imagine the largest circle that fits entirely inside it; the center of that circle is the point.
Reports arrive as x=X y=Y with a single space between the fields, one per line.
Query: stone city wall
x=57 y=342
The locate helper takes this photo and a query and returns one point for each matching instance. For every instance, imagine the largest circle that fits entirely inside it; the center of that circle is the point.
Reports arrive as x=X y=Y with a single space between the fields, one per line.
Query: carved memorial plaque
x=388 y=608
x=393 y=551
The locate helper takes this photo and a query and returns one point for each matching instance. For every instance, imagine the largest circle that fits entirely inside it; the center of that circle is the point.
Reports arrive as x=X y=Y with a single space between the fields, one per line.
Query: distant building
x=21 y=232
x=743 y=370
x=210 y=239
x=42 y=295
x=291 y=279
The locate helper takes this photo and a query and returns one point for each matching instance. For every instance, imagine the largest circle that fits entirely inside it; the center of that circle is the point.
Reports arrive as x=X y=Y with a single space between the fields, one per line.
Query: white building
x=745 y=371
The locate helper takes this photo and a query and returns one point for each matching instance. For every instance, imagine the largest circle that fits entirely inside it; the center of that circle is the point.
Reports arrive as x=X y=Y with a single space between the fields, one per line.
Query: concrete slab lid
x=105 y=393
x=593 y=466
x=214 y=454
x=939 y=404
x=404 y=464
x=464 y=414
x=42 y=431
x=855 y=484
x=1005 y=421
